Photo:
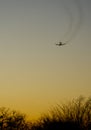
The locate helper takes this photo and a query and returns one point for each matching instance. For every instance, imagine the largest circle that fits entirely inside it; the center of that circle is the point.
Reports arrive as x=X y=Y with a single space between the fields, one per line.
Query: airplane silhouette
x=60 y=44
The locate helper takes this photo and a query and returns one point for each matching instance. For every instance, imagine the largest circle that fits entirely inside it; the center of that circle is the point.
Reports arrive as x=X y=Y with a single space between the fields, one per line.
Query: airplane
x=60 y=44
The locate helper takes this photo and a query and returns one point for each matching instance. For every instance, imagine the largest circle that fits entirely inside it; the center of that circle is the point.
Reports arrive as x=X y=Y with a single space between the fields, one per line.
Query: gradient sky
x=34 y=73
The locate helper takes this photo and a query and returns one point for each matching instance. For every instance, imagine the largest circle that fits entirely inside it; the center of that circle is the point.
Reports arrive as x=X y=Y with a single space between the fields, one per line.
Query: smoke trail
x=71 y=21
x=79 y=21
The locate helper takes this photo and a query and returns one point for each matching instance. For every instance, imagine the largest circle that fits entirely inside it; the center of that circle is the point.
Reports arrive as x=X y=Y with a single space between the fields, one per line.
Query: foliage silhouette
x=75 y=115
x=12 y=120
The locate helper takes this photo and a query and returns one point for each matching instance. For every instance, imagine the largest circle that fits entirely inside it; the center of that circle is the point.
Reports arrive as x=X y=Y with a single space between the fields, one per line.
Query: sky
x=35 y=74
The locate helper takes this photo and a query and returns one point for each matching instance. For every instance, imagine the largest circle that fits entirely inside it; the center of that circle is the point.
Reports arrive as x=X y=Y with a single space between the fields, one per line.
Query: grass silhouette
x=75 y=115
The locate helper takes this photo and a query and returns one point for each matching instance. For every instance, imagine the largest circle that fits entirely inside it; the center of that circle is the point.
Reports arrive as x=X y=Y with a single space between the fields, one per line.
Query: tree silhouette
x=12 y=120
x=75 y=115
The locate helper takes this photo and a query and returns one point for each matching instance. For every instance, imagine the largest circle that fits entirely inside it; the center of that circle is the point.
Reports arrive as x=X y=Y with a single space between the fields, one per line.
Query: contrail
x=74 y=23
x=70 y=23
x=79 y=20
